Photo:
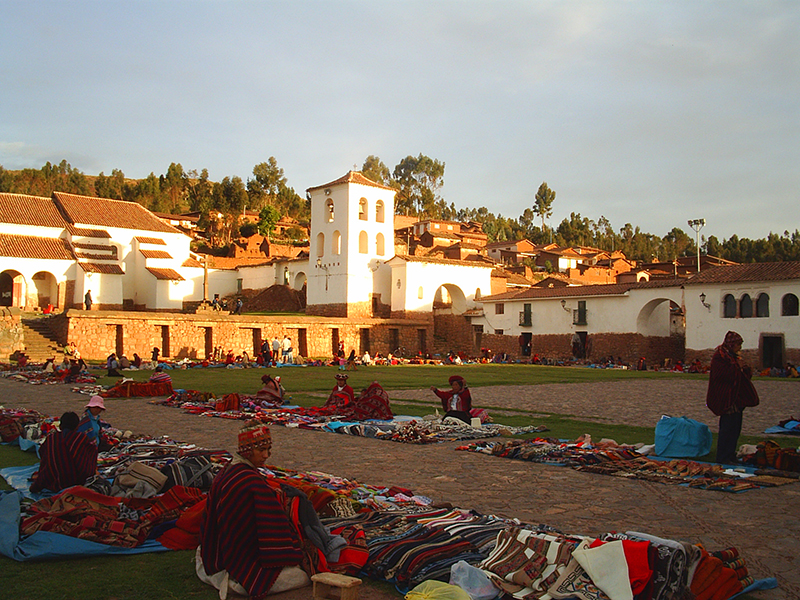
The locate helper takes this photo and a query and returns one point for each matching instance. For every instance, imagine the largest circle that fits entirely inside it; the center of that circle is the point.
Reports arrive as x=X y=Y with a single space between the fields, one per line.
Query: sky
x=644 y=112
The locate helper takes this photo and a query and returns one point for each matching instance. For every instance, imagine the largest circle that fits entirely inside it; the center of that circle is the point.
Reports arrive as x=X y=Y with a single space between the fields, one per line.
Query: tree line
x=418 y=181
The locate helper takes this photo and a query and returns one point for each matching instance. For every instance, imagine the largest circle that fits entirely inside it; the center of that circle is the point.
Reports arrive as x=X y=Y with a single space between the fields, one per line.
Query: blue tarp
x=682 y=437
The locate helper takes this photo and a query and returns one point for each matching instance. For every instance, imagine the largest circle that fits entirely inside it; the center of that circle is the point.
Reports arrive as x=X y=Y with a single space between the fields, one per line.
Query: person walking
x=730 y=391
x=87 y=300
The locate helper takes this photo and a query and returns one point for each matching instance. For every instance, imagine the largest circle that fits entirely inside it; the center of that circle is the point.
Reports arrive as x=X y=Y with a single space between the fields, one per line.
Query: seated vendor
x=68 y=458
x=457 y=401
x=91 y=425
x=341 y=387
x=246 y=536
x=159 y=376
x=272 y=391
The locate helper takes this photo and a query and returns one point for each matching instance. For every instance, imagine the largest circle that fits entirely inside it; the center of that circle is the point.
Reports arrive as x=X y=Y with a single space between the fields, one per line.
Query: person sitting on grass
x=248 y=545
x=68 y=458
x=91 y=425
x=457 y=401
x=159 y=376
x=272 y=392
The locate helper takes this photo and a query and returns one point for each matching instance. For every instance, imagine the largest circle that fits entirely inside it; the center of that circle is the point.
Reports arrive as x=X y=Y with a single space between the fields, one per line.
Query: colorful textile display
x=135 y=389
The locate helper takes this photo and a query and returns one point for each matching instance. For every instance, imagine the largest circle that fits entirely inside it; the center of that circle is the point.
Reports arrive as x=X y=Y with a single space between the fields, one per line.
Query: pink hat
x=96 y=401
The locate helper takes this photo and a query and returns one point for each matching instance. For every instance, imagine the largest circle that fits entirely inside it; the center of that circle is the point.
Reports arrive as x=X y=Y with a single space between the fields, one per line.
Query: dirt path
x=763 y=524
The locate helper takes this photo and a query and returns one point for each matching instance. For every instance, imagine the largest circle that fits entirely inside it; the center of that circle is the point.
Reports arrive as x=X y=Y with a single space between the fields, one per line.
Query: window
x=380 y=245
x=762 y=305
x=363 y=243
x=499 y=309
x=320 y=244
x=419 y=292
x=498 y=332
x=336 y=243
x=329 y=209
x=363 y=215
x=379 y=211
x=729 y=307
x=789 y=306
x=746 y=307
x=579 y=316
x=525 y=318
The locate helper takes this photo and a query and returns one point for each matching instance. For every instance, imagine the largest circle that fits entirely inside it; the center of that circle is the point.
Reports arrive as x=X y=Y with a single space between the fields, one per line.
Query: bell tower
x=352 y=234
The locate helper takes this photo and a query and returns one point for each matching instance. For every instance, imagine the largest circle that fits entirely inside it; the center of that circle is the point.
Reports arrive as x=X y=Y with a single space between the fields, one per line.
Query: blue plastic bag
x=682 y=437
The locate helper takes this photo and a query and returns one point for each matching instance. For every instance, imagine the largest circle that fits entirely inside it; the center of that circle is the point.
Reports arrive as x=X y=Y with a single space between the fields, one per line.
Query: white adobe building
x=353 y=269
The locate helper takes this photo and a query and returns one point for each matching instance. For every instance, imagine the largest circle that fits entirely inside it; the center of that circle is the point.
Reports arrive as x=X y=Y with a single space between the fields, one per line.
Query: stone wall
x=454 y=333
x=99 y=333
x=12 y=337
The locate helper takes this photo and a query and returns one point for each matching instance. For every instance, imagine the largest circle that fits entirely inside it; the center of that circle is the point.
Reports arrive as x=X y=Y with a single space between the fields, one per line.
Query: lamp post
x=697 y=225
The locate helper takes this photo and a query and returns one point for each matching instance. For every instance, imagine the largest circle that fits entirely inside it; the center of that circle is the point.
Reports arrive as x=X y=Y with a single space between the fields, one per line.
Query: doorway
x=771 y=351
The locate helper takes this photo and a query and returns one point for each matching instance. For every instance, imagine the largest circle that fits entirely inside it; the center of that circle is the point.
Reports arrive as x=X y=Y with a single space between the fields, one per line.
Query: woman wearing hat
x=457 y=401
x=729 y=392
x=247 y=540
x=341 y=387
x=91 y=424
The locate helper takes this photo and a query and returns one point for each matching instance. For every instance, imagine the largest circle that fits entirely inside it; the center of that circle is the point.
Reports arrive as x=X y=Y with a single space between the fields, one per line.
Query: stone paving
x=763 y=524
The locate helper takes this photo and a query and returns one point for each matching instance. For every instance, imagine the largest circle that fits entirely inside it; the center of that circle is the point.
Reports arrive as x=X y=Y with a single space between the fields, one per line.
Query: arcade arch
x=660 y=317
x=449 y=298
x=13 y=288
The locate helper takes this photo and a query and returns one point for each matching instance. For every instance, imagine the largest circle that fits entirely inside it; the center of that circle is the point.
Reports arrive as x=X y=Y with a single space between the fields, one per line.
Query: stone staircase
x=40 y=343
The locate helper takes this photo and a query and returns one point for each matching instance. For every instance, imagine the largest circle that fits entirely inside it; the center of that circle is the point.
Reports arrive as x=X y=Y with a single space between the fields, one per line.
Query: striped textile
x=246 y=530
x=67 y=458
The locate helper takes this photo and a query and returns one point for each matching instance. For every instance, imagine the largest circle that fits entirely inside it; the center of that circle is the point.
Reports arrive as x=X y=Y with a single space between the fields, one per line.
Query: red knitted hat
x=253 y=435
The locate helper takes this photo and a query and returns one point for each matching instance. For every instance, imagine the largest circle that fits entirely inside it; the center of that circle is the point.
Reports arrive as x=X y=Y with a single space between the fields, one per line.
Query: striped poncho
x=67 y=458
x=246 y=531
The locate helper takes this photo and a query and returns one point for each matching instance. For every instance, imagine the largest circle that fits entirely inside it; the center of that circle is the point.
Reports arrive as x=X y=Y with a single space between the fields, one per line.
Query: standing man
x=729 y=392
x=287 y=350
x=238 y=309
x=276 y=349
x=87 y=300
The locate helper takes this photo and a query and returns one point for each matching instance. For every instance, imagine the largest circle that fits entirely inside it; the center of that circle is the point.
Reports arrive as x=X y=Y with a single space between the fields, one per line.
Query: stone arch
x=449 y=298
x=13 y=288
x=655 y=318
x=46 y=288
x=299 y=280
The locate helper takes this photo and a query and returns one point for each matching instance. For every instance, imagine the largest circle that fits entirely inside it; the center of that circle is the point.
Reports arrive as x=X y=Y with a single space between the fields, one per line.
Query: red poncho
x=67 y=458
x=246 y=531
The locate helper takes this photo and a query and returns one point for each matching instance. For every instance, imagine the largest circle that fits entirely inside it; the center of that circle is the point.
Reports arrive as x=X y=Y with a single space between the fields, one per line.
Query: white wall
x=430 y=276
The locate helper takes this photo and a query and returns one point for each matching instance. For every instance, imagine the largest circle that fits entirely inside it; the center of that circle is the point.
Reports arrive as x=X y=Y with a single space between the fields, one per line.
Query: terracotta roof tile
x=105 y=269
x=103 y=212
x=473 y=261
x=352 y=177
x=580 y=291
x=27 y=246
x=166 y=274
x=774 y=271
x=154 y=253
x=192 y=262
x=150 y=240
x=92 y=233
x=21 y=209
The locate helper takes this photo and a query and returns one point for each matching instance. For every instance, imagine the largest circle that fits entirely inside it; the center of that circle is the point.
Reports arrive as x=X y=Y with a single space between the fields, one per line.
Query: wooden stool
x=325 y=583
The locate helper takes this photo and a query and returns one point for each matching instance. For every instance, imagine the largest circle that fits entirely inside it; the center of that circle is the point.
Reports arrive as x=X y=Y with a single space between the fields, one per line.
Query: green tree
x=543 y=204
x=268 y=180
x=6 y=180
x=374 y=170
x=173 y=186
x=199 y=190
x=267 y=218
x=418 y=180
x=110 y=187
